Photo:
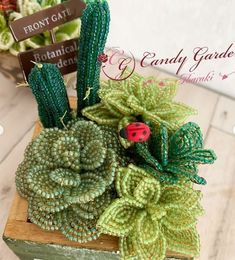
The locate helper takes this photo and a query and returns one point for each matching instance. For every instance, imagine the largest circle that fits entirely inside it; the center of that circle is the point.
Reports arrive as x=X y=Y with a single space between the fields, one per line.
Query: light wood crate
x=29 y=242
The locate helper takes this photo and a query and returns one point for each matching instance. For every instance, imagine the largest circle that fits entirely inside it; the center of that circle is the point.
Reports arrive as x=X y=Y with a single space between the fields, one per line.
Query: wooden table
x=217 y=119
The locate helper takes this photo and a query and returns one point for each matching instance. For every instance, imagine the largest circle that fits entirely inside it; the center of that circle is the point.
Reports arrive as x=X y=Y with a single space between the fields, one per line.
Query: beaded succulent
x=173 y=156
x=126 y=101
x=27 y=7
x=150 y=217
x=67 y=177
x=77 y=175
x=94 y=32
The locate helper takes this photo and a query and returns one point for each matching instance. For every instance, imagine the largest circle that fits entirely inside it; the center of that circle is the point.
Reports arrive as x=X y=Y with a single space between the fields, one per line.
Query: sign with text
x=47 y=19
x=63 y=54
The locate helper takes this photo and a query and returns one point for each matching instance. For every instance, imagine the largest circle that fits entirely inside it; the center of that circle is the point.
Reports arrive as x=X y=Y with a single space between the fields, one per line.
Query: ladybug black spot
x=123 y=133
x=140 y=139
x=144 y=132
x=134 y=134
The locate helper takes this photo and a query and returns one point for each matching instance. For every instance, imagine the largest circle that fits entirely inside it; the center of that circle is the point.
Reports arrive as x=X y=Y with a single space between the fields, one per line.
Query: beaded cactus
x=171 y=157
x=150 y=217
x=126 y=101
x=94 y=31
x=49 y=90
x=67 y=177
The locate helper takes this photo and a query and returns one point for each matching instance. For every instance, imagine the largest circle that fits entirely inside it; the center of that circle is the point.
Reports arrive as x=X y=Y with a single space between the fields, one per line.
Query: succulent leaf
x=122 y=101
x=172 y=156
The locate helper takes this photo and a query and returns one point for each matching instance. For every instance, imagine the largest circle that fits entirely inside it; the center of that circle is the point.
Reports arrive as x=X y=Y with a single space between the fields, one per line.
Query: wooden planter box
x=29 y=242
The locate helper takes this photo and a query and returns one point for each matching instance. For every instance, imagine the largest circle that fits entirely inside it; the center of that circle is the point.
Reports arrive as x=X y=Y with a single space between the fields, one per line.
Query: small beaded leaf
x=65 y=177
x=39 y=181
x=181 y=241
x=49 y=205
x=155 y=250
x=78 y=229
x=146 y=213
x=66 y=152
x=93 y=155
x=44 y=219
x=93 y=209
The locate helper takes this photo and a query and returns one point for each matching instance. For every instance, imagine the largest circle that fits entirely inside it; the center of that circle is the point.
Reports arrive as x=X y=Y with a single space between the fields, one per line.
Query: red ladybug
x=136 y=132
x=103 y=58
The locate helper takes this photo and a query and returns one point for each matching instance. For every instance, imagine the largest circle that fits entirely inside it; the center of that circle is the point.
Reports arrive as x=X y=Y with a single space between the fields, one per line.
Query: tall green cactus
x=94 y=30
x=49 y=90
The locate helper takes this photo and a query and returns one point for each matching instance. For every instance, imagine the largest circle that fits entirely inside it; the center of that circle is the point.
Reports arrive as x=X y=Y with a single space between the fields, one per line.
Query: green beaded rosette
x=67 y=177
x=123 y=102
x=150 y=217
x=123 y=164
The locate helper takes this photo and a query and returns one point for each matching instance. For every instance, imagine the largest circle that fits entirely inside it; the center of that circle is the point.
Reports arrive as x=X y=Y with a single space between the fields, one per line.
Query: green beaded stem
x=49 y=90
x=94 y=31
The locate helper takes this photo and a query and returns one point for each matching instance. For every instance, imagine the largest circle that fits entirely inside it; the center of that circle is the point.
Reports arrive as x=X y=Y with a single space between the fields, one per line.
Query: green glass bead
x=94 y=31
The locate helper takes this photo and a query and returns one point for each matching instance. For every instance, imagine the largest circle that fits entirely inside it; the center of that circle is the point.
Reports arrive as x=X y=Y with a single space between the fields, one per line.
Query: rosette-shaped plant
x=67 y=177
x=173 y=156
x=126 y=101
x=150 y=218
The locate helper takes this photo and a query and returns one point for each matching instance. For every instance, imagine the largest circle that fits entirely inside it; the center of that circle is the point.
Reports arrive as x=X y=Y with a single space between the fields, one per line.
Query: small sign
x=46 y=19
x=63 y=54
